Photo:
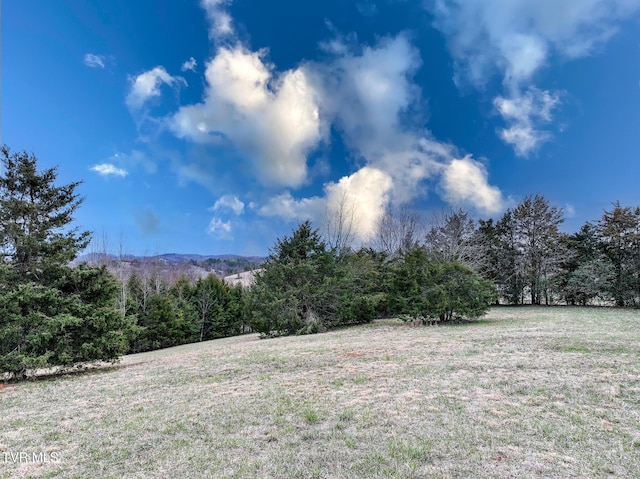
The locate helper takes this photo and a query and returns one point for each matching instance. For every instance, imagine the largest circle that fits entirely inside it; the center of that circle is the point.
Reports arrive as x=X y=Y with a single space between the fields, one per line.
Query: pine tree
x=33 y=216
x=50 y=314
x=298 y=290
x=586 y=273
x=619 y=233
x=536 y=224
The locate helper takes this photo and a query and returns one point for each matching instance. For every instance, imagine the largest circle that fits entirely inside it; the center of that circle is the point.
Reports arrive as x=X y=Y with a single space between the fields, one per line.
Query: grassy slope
x=529 y=392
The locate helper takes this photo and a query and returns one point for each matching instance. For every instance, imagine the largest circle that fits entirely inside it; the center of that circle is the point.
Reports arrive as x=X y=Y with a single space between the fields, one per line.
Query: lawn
x=526 y=392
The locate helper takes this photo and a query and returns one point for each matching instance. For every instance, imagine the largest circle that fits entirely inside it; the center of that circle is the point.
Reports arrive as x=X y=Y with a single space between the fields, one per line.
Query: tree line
x=450 y=268
x=530 y=260
x=308 y=286
x=165 y=315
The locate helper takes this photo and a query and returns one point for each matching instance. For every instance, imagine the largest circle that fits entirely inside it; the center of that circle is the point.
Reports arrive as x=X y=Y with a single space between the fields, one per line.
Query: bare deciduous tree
x=340 y=224
x=452 y=237
x=122 y=273
x=204 y=300
x=398 y=230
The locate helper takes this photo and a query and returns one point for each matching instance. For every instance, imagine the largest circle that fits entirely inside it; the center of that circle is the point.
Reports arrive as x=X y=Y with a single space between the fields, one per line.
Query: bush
x=421 y=288
x=43 y=326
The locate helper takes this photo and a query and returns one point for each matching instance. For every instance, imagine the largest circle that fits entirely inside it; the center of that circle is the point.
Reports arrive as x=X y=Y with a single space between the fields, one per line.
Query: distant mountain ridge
x=171 y=258
x=172 y=265
x=182 y=258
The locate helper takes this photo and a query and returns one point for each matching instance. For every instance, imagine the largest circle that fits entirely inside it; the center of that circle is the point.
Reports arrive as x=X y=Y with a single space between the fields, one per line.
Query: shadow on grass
x=397 y=322
x=55 y=374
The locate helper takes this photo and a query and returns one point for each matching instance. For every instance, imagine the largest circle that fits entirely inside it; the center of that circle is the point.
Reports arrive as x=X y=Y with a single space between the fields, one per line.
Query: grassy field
x=526 y=392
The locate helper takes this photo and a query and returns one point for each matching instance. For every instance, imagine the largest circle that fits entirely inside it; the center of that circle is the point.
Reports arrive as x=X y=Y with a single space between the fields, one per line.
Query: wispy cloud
x=94 y=61
x=220 y=22
x=147 y=85
x=190 y=65
x=229 y=203
x=525 y=114
x=367 y=8
x=569 y=210
x=220 y=229
x=134 y=159
x=515 y=39
x=108 y=169
x=200 y=173
x=287 y=207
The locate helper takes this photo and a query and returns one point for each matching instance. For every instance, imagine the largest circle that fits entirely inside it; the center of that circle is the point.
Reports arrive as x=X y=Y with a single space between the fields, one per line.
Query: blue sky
x=215 y=126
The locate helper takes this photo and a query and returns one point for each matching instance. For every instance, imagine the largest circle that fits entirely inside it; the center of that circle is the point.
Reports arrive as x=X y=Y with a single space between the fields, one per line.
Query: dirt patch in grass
x=530 y=392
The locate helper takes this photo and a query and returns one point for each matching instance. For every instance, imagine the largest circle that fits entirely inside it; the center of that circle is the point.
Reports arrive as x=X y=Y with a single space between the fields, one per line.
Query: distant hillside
x=171 y=266
x=245 y=279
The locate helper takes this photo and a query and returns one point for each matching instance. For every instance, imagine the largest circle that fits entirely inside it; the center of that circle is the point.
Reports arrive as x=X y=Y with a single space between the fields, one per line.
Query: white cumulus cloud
x=272 y=119
x=365 y=194
x=367 y=93
x=108 y=169
x=277 y=119
x=525 y=114
x=465 y=183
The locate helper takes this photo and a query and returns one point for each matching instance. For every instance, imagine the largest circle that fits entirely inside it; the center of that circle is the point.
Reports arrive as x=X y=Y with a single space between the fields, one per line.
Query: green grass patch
x=575 y=348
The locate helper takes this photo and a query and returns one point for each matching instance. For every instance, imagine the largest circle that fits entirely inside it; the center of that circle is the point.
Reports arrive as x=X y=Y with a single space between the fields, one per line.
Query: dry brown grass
x=527 y=392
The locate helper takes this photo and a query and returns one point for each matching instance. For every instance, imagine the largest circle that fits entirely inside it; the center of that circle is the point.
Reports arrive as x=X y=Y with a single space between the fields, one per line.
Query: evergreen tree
x=239 y=310
x=536 y=225
x=619 y=233
x=164 y=324
x=586 y=272
x=437 y=291
x=212 y=300
x=34 y=218
x=593 y=279
x=363 y=277
x=50 y=314
x=298 y=289
x=502 y=257
x=488 y=242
